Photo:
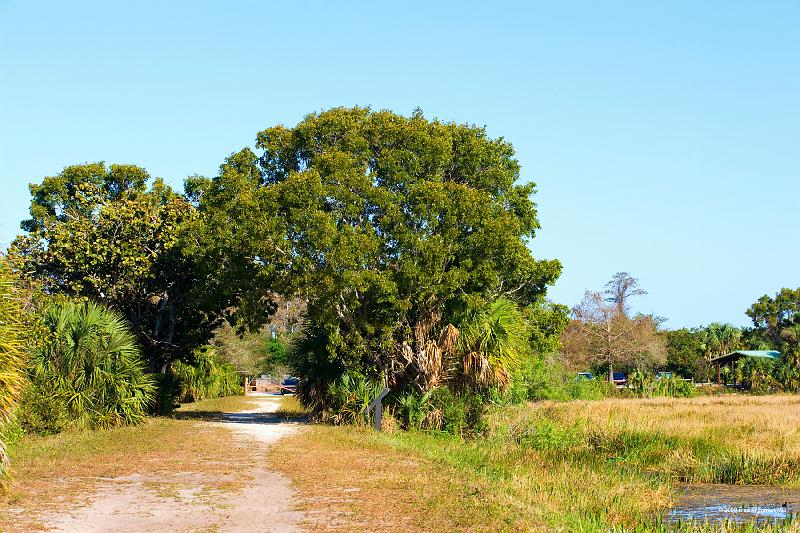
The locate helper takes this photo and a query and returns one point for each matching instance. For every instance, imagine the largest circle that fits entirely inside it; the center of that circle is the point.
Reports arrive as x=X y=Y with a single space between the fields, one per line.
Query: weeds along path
x=183 y=502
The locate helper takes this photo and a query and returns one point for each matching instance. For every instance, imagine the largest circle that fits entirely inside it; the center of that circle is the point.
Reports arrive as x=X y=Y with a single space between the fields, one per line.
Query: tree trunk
x=610 y=372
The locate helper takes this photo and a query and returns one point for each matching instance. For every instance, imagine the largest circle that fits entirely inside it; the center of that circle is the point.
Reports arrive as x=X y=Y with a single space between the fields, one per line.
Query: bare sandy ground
x=184 y=502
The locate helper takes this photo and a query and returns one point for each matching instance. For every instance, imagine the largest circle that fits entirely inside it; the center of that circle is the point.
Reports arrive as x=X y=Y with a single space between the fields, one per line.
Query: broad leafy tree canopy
x=79 y=191
x=390 y=225
x=100 y=232
x=773 y=315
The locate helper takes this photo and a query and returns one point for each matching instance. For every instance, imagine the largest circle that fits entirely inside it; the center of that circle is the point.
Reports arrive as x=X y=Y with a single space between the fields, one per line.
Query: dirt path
x=184 y=502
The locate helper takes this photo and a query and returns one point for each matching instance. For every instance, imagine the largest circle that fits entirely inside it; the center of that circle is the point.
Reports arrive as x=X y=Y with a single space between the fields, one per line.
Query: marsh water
x=738 y=503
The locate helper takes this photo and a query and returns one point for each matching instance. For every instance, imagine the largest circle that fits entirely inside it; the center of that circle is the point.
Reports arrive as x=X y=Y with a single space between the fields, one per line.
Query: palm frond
x=92 y=362
x=493 y=341
x=11 y=356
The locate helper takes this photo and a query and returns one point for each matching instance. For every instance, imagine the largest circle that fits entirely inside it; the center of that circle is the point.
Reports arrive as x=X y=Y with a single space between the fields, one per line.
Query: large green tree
x=100 y=232
x=772 y=316
x=685 y=353
x=776 y=322
x=390 y=226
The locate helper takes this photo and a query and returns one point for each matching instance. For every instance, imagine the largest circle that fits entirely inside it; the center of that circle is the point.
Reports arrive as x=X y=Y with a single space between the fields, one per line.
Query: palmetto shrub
x=11 y=360
x=442 y=409
x=206 y=377
x=492 y=341
x=646 y=385
x=90 y=367
x=348 y=398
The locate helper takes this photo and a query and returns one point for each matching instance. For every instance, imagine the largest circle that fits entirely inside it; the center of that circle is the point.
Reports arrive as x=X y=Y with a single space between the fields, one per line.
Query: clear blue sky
x=664 y=138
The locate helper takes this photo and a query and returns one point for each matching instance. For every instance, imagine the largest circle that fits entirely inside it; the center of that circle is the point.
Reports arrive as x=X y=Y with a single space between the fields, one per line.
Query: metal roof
x=769 y=354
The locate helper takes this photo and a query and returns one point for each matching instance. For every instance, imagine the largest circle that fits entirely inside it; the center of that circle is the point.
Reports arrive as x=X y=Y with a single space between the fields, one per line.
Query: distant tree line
x=602 y=335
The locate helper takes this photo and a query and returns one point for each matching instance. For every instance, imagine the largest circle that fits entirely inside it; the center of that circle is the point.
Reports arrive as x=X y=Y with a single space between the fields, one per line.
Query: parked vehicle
x=663 y=375
x=584 y=376
x=619 y=379
x=289 y=385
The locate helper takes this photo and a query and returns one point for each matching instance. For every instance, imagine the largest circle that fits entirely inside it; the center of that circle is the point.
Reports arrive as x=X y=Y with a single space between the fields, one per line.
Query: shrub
x=168 y=390
x=90 y=367
x=309 y=358
x=551 y=380
x=595 y=389
x=413 y=408
x=11 y=360
x=456 y=413
x=647 y=386
x=756 y=375
x=275 y=358
x=787 y=372
x=442 y=409
x=348 y=397
x=206 y=377
x=675 y=387
x=42 y=412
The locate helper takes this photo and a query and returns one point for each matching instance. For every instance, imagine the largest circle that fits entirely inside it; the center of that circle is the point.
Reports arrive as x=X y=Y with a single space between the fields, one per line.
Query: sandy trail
x=143 y=504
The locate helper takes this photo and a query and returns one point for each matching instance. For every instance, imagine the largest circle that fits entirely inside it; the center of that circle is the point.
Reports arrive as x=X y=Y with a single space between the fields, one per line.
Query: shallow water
x=739 y=503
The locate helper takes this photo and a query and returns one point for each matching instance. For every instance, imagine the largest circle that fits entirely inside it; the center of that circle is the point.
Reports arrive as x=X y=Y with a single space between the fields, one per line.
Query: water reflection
x=739 y=503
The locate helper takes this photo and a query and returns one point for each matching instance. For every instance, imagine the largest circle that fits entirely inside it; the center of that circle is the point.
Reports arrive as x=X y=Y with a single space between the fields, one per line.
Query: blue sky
x=664 y=137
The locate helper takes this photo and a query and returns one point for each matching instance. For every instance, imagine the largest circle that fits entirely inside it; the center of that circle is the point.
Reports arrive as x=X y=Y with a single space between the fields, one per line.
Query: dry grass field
x=550 y=466
x=564 y=466
x=767 y=425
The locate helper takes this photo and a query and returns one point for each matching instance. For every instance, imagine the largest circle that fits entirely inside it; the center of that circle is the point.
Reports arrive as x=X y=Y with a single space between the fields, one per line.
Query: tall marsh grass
x=636 y=438
x=612 y=465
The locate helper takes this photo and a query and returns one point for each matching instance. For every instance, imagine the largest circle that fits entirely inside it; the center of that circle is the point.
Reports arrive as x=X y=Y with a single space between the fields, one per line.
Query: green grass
x=577 y=466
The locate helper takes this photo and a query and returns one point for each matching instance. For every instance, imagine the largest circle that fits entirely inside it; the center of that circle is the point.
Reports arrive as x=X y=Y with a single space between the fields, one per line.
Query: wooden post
x=246 y=384
x=719 y=375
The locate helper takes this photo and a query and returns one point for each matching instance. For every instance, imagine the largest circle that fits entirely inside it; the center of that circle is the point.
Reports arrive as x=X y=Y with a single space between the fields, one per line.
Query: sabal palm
x=11 y=360
x=492 y=341
x=92 y=362
x=719 y=340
